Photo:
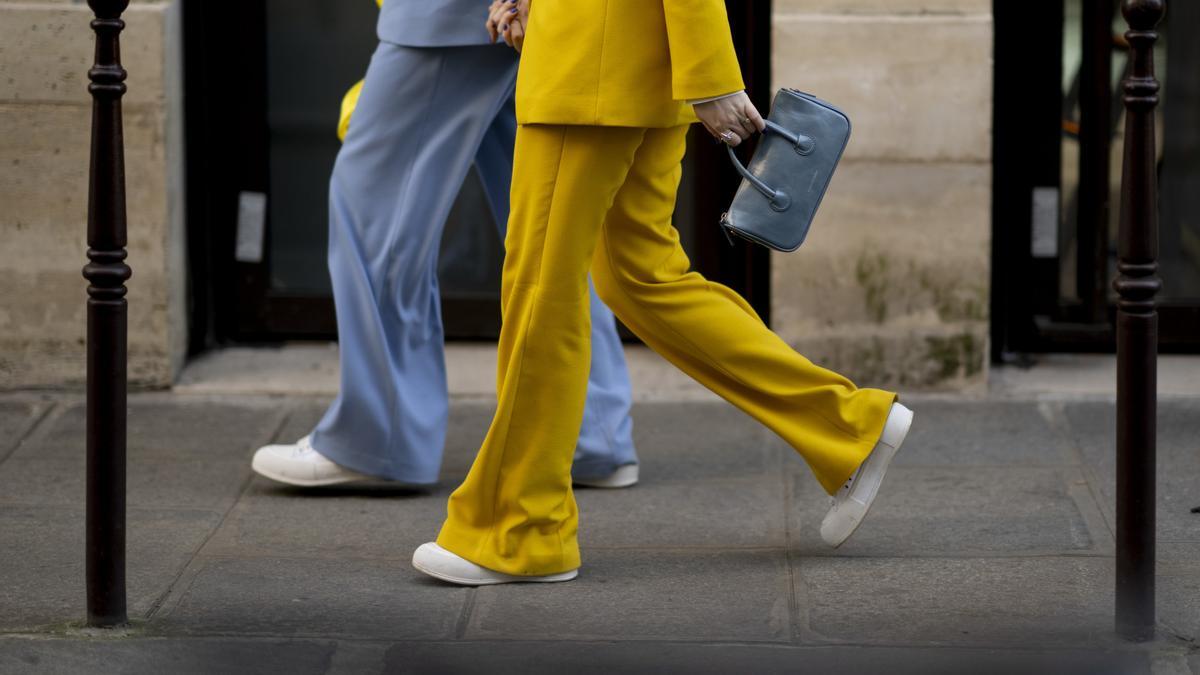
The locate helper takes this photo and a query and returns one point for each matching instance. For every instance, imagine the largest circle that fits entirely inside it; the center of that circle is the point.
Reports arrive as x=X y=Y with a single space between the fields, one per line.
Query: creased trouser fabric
x=425 y=114
x=602 y=197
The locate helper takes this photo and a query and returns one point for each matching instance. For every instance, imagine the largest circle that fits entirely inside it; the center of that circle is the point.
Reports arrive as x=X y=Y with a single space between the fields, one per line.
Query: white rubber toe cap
x=441 y=564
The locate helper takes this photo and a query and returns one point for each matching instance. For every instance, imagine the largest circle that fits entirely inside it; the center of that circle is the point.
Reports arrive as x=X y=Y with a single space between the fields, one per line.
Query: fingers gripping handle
x=778 y=198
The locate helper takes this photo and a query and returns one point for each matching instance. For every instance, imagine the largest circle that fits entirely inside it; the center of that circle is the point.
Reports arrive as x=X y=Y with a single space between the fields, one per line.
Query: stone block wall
x=45 y=113
x=892 y=286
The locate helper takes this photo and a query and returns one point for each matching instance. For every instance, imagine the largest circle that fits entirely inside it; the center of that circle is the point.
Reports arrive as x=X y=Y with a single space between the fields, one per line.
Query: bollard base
x=1135 y=633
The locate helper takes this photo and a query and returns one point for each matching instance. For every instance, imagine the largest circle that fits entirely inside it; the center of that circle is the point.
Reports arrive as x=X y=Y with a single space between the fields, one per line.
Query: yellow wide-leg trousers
x=601 y=198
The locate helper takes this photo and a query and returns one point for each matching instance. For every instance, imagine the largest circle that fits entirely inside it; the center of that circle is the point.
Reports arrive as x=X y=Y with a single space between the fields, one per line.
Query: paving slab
x=739 y=595
x=315 y=597
x=42 y=560
x=698 y=440
x=958 y=601
x=983 y=552
x=673 y=440
x=468 y=425
x=337 y=522
x=192 y=483
x=1093 y=425
x=1178 y=557
x=17 y=416
x=1177 y=599
x=156 y=656
x=164 y=428
x=246 y=656
x=662 y=512
x=701 y=659
x=953 y=511
x=1003 y=433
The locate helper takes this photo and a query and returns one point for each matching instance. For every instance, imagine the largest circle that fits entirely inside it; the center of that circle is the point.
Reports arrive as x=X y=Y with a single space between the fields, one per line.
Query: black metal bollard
x=1137 y=332
x=107 y=326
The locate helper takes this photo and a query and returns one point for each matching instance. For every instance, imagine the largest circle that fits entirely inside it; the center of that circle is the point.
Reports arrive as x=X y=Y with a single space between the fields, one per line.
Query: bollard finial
x=1143 y=14
x=108 y=9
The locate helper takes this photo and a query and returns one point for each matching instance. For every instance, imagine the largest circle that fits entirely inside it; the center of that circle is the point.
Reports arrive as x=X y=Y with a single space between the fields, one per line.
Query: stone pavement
x=990 y=549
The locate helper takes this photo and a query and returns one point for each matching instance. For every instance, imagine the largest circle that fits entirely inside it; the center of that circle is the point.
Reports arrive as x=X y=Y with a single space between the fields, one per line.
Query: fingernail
x=504 y=27
x=513 y=10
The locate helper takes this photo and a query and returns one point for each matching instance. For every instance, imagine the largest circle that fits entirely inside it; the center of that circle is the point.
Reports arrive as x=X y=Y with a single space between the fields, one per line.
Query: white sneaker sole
x=625 y=476
x=427 y=557
x=267 y=472
x=851 y=516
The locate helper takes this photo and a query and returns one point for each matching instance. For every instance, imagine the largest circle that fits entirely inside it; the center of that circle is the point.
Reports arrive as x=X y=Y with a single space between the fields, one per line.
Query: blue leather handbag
x=792 y=167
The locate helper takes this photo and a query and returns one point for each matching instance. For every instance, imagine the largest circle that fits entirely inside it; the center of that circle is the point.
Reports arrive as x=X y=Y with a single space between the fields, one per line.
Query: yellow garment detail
x=350 y=102
x=624 y=62
x=602 y=198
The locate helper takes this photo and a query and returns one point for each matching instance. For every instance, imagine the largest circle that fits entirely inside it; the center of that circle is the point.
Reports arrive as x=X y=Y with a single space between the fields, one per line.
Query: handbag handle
x=779 y=199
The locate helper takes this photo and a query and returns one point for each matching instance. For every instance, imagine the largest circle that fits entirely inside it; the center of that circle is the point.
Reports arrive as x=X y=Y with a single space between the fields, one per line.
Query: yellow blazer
x=624 y=62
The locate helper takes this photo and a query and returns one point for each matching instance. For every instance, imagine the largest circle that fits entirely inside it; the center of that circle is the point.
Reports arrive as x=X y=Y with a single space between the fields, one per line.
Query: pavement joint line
x=246 y=483
x=28 y=431
x=466 y=613
x=960 y=467
x=798 y=608
x=1055 y=414
x=130 y=508
x=405 y=557
x=53 y=412
x=1109 y=643
x=1176 y=634
x=1079 y=489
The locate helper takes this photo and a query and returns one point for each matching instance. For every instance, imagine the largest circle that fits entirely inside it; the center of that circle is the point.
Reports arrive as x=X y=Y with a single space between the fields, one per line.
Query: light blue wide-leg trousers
x=424 y=117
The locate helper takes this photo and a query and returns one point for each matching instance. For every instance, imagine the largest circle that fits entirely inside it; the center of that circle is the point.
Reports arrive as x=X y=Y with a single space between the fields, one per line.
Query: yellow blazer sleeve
x=703 y=62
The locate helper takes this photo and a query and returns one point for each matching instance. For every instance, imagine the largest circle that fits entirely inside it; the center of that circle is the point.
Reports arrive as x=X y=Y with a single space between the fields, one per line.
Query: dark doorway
x=262 y=96
x=1058 y=135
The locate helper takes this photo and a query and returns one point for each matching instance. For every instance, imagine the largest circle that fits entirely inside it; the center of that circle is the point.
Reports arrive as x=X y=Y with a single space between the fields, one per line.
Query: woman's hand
x=732 y=119
x=507 y=19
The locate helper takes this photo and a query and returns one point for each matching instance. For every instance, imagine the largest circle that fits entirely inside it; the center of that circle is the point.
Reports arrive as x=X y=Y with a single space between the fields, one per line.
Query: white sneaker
x=439 y=563
x=853 y=500
x=299 y=464
x=625 y=476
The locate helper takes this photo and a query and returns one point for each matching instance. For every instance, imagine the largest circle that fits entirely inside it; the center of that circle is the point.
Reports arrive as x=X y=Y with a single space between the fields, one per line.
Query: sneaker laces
x=850 y=480
x=303 y=447
x=845 y=487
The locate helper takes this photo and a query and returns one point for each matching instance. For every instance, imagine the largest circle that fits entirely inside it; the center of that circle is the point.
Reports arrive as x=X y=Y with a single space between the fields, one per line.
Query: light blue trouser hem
x=424 y=117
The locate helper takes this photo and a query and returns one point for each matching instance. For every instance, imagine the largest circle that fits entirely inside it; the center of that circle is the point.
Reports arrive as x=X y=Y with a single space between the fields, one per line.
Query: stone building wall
x=45 y=113
x=891 y=287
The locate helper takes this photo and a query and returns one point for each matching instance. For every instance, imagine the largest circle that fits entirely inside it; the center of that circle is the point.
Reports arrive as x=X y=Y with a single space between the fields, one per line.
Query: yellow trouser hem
x=466 y=544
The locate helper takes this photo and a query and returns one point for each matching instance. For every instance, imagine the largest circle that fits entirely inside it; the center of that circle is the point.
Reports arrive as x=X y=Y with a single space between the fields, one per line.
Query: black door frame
x=1027 y=315
x=225 y=70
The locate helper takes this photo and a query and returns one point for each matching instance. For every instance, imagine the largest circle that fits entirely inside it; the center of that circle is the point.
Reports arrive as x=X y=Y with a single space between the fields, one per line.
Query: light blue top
x=434 y=23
